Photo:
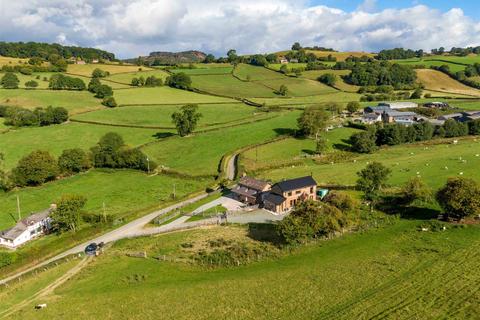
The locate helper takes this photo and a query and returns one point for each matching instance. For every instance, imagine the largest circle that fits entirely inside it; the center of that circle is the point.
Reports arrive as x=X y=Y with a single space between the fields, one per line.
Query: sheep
x=41 y=306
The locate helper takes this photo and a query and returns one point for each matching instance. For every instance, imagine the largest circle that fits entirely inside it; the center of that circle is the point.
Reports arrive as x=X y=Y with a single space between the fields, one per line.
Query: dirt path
x=47 y=290
x=232 y=167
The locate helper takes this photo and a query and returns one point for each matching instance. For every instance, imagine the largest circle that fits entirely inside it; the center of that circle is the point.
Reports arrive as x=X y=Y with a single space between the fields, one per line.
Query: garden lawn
x=123 y=191
x=397 y=272
x=73 y=101
x=163 y=95
x=18 y=143
x=161 y=116
x=200 y=154
x=434 y=163
x=227 y=85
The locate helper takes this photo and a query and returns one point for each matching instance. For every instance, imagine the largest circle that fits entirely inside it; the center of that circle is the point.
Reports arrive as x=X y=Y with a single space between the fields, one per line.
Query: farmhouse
x=399 y=105
x=371 y=118
x=248 y=190
x=406 y=118
x=283 y=61
x=436 y=105
x=26 y=229
x=286 y=194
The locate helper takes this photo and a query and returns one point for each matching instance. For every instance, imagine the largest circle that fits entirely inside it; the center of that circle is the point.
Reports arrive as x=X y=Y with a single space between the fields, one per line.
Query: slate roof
x=274 y=198
x=245 y=191
x=252 y=183
x=22 y=225
x=401 y=114
x=294 y=184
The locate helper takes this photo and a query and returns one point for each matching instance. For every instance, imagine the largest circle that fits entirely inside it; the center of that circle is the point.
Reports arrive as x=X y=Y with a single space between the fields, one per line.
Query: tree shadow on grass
x=285 y=131
x=345 y=146
x=163 y=135
x=264 y=232
x=309 y=152
x=396 y=205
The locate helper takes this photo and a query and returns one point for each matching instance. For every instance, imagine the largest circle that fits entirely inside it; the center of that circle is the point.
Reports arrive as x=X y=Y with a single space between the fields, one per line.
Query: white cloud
x=134 y=27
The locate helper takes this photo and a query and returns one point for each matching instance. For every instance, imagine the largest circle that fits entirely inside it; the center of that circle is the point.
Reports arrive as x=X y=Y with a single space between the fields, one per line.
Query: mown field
x=126 y=77
x=340 y=97
x=396 y=272
x=87 y=69
x=227 y=85
x=438 y=81
x=161 y=115
x=11 y=61
x=434 y=162
x=340 y=83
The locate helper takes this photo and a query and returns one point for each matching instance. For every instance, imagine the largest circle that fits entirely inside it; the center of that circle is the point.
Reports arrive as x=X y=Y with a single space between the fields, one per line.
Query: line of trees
x=63 y=82
x=394 y=134
x=399 y=53
x=21 y=117
x=381 y=73
x=150 y=81
x=45 y=50
x=40 y=166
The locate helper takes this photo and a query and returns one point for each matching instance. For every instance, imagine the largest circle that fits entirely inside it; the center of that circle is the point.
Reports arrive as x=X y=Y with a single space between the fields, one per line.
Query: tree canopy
x=186 y=120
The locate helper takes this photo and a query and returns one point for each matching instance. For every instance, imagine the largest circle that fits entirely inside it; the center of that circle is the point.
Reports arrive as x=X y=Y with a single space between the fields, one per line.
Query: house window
x=298 y=191
x=311 y=189
x=289 y=194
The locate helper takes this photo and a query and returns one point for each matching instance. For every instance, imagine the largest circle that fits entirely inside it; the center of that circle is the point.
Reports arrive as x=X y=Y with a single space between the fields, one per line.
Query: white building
x=371 y=118
x=399 y=105
x=26 y=229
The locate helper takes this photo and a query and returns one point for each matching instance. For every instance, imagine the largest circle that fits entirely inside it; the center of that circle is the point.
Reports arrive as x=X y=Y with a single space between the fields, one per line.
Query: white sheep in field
x=461 y=173
x=446 y=168
x=41 y=306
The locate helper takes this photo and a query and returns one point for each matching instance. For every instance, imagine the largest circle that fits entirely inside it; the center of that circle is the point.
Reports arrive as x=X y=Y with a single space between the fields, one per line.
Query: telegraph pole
x=174 y=196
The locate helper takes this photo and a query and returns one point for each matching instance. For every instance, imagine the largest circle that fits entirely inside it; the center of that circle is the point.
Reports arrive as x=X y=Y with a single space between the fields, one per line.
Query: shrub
x=9 y=81
x=416 y=190
x=73 y=161
x=31 y=84
x=99 y=73
x=459 y=198
x=179 y=80
x=7 y=258
x=109 y=102
x=66 y=216
x=328 y=78
x=103 y=91
x=34 y=169
x=63 y=82
x=341 y=200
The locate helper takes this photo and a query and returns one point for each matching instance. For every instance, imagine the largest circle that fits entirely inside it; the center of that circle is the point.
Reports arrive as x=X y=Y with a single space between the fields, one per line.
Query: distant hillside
x=341 y=56
x=170 y=58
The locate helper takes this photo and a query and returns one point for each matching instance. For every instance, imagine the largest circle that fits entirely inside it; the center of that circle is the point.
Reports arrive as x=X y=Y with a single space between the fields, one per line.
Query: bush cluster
x=63 y=82
x=21 y=117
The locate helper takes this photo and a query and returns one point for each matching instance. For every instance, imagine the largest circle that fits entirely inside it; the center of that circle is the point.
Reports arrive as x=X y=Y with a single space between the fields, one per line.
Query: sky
x=130 y=28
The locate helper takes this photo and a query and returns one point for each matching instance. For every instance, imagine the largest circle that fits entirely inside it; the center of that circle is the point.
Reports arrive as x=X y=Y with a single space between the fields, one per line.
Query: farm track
x=435 y=283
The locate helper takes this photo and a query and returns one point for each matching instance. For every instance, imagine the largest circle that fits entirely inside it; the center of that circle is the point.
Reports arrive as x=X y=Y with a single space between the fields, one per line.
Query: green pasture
x=434 y=162
x=126 y=78
x=339 y=97
x=227 y=85
x=247 y=71
x=161 y=116
x=123 y=191
x=223 y=69
x=397 y=272
x=299 y=87
x=200 y=154
x=18 y=143
x=163 y=95
x=73 y=101
x=340 y=83
x=291 y=149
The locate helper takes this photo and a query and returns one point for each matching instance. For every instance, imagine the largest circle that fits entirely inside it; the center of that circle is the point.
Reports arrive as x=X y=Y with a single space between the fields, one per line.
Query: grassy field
x=340 y=83
x=206 y=69
x=288 y=150
x=163 y=95
x=126 y=78
x=11 y=61
x=73 y=101
x=114 y=187
x=438 y=81
x=87 y=69
x=246 y=71
x=160 y=116
x=298 y=87
x=431 y=62
x=396 y=272
x=229 y=86
x=434 y=162
x=18 y=143
x=340 y=97
x=200 y=154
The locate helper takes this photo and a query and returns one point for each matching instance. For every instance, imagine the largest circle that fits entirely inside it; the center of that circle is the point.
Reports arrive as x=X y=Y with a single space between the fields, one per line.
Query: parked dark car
x=91 y=249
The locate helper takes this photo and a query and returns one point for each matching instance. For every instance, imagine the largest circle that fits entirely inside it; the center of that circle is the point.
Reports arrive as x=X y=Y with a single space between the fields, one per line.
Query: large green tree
x=186 y=120
x=73 y=161
x=179 y=80
x=35 y=168
x=371 y=180
x=459 y=198
x=313 y=121
x=66 y=216
x=9 y=81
